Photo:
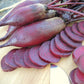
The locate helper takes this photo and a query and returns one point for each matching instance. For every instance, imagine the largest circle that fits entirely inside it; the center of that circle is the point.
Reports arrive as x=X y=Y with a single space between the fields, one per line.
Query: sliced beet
x=28 y=62
x=56 y=52
x=9 y=59
x=71 y=77
x=73 y=36
x=80 y=63
x=79 y=76
x=68 y=41
x=45 y=54
x=5 y=67
x=61 y=45
x=81 y=27
x=75 y=29
x=19 y=57
x=77 y=53
x=34 y=57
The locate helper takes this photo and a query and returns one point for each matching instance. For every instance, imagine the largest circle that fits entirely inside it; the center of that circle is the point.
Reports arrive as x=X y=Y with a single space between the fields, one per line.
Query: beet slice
x=75 y=29
x=45 y=54
x=19 y=58
x=61 y=45
x=9 y=59
x=5 y=67
x=71 y=77
x=34 y=57
x=81 y=27
x=56 y=52
x=28 y=62
x=77 y=53
x=79 y=76
x=68 y=41
x=73 y=36
x=80 y=63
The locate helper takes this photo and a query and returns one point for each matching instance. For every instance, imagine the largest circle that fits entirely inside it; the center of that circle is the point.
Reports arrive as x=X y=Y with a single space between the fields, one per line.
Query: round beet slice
x=79 y=76
x=75 y=29
x=45 y=54
x=61 y=45
x=71 y=77
x=73 y=36
x=19 y=57
x=5 y=67
x=9 y=59
x=28 y=62
x=56 y=52
x=80 y=63
x=34 y=57
x=81 y=27
x=68 y=41
x=77 y=53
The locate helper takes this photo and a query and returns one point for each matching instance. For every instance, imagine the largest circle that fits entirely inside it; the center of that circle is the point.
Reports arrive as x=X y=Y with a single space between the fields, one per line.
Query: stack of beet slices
x=51 y=51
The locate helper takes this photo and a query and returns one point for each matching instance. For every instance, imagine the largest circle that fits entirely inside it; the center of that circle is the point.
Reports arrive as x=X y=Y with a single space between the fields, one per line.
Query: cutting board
x=30 y=76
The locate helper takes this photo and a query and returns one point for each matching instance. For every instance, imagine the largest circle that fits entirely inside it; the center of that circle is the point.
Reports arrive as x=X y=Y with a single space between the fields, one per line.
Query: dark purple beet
x=54 y=50
x=5 y=67
x=61 y=45
x=71 y=77
x=45 y=54
x=19 y=57
x=77 y=53
x=73 y=36
x=68 y=41
x=28 y=62
x=81 y=27
x=9 y=59
x=34 y=57
x=75 y=29
x=79 y=76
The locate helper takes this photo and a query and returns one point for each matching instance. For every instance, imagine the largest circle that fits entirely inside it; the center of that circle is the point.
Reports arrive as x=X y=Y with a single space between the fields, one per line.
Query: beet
x=71 y=76
x=79 y=76
x=28 y=62
x=19 y=58
x=45 y=54
x=54 y=50
x=61 y=45
x=9 y=59
x=73 y=36
x=34 y=57
x=68 y=41
x=81 y=27
x=80 y=63
x=77 y=53
x=35 y=33
x=5 y=67
x=75 y=29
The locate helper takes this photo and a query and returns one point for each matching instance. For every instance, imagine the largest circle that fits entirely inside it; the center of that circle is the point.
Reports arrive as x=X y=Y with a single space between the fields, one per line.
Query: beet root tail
x=4 y=45
x=4 y=38
x=2 y=23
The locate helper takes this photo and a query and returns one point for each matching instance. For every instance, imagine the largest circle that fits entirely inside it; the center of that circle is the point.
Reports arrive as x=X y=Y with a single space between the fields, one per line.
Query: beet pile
x=40 y=28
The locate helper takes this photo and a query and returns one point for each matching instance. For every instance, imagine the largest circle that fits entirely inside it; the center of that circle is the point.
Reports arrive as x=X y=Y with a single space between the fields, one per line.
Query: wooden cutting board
x=30 y=76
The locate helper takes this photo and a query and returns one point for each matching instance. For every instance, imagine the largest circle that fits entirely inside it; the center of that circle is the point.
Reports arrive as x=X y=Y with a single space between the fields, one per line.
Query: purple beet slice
x=61 y=45
x=71 y=77
x=5 y=67
x=68 y=41
x=81 y=27
x=19 y=57
x=80 y=63
x=75 y=29
x=34 y=57
x=9 y=59
x=45 y=54
x=73 y=36
x=28 y=62
x=54 y=50
x=77 y=53
x=79 y=76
